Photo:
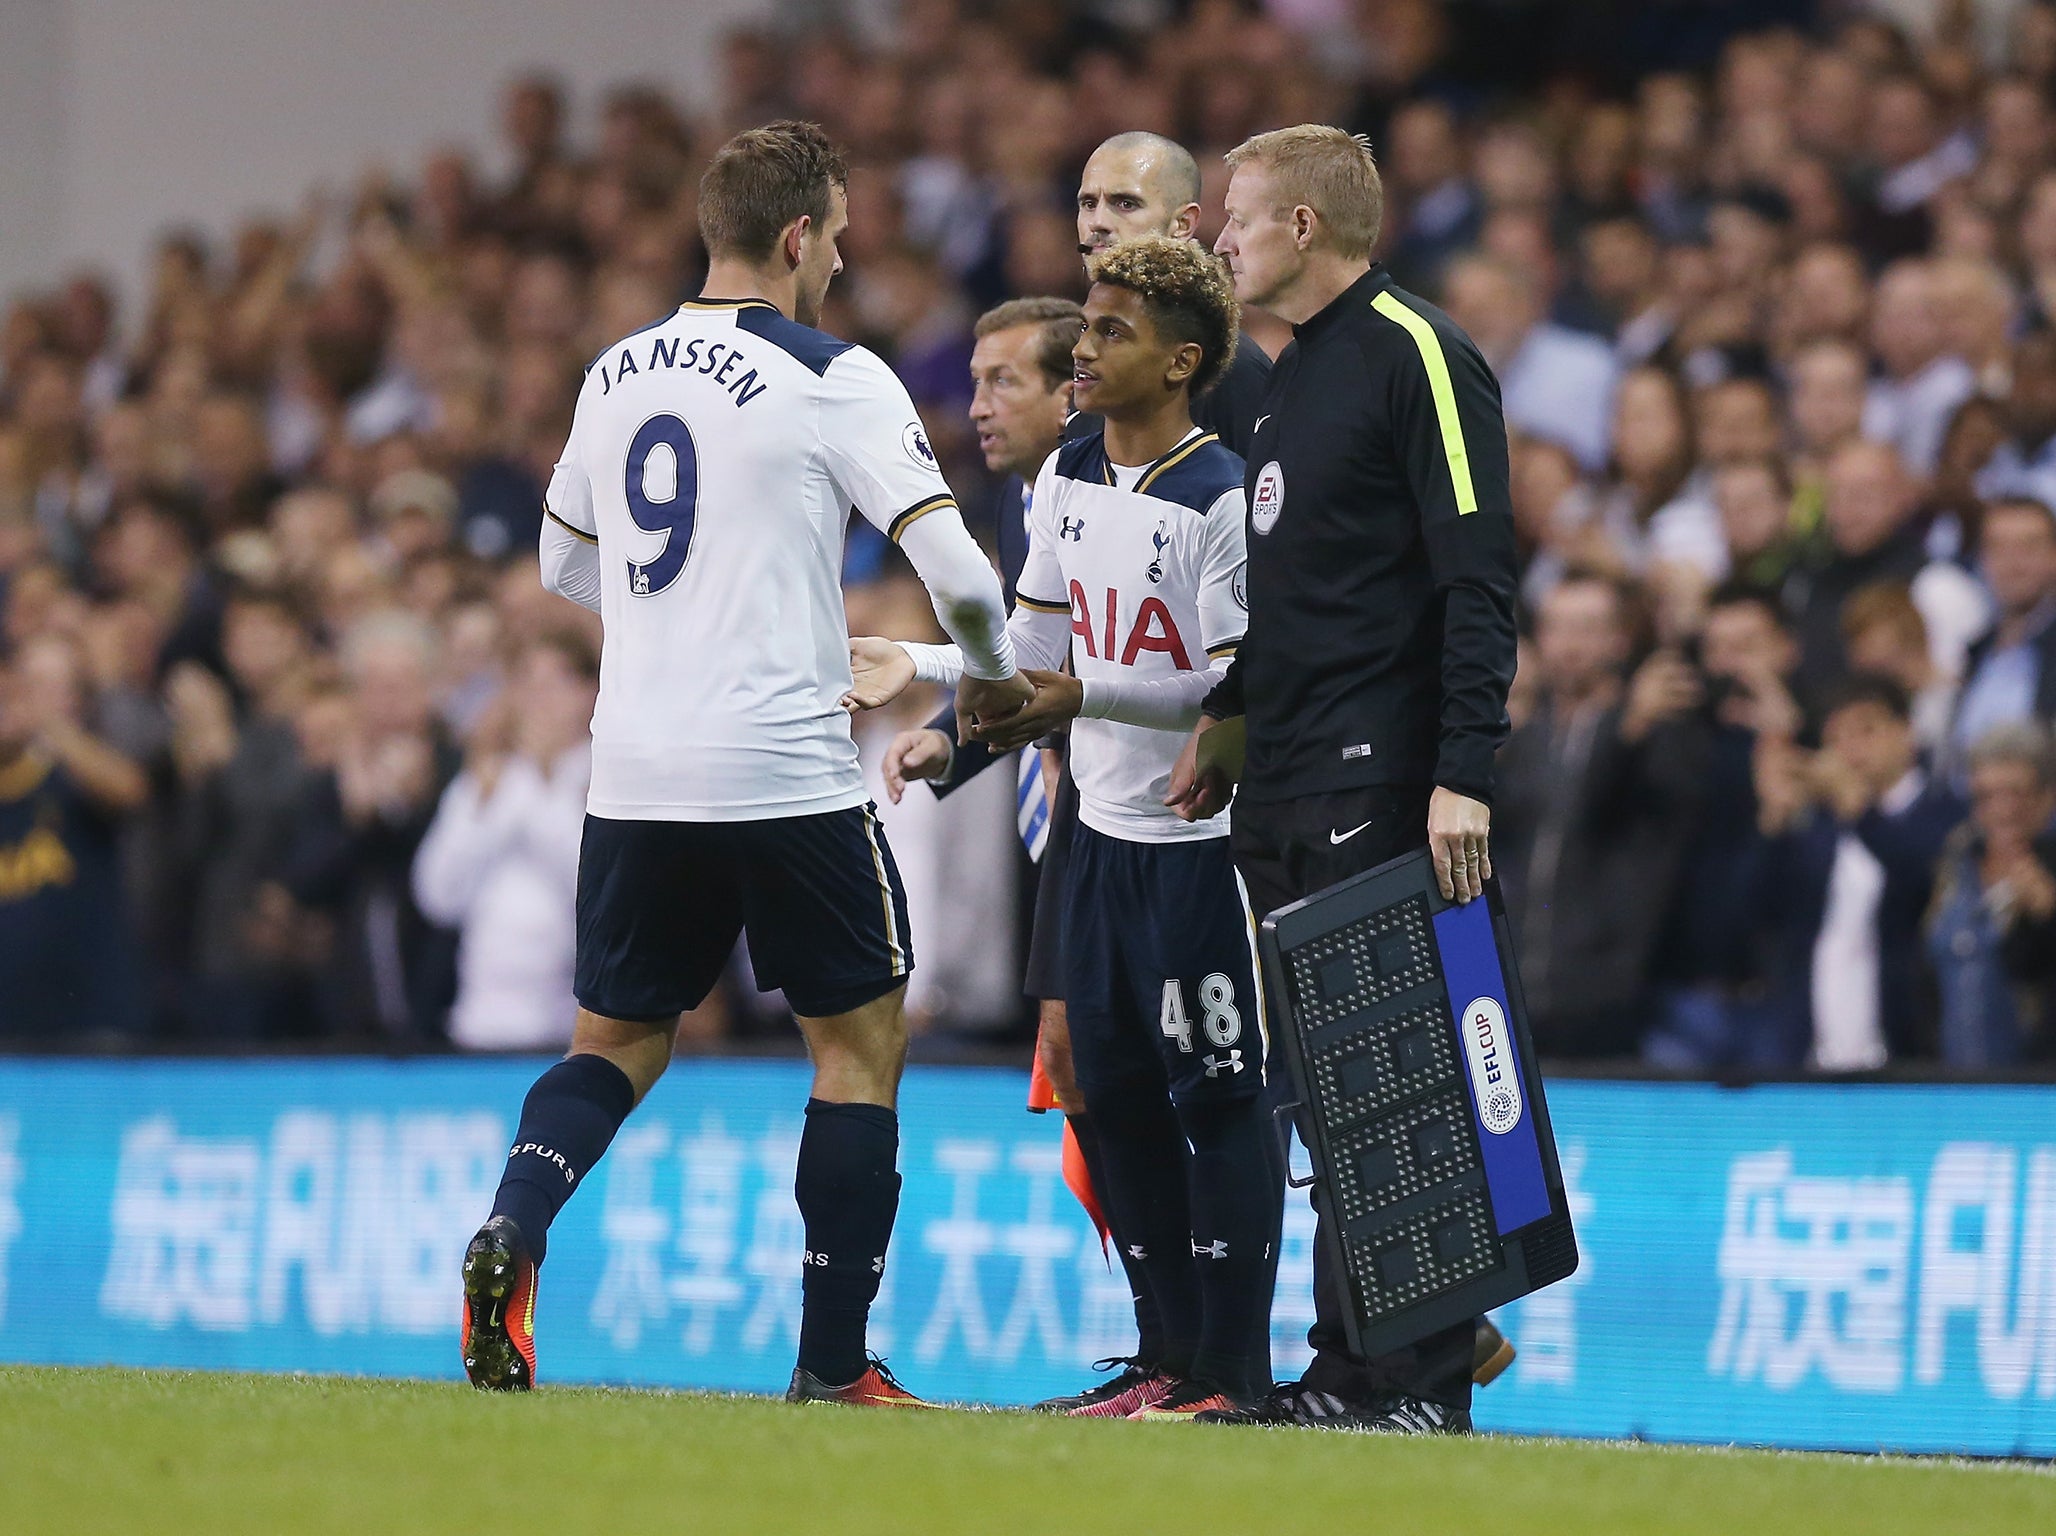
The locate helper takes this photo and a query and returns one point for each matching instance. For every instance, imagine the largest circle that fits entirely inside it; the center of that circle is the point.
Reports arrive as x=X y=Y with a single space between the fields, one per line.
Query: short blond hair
x=1328 y=170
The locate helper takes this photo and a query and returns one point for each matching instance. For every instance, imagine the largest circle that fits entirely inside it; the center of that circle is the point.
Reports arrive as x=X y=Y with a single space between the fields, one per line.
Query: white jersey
x=1138 y=574
x=700 y=507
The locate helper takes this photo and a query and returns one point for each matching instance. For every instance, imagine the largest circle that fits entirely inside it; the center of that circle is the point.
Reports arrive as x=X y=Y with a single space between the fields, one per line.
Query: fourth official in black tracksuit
x=1380 y=649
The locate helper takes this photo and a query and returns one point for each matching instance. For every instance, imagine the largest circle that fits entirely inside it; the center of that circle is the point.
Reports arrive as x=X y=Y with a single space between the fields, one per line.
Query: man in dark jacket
x=1873 y=537
x=1595 y=802
x=1372 y=682
x=1858 y=831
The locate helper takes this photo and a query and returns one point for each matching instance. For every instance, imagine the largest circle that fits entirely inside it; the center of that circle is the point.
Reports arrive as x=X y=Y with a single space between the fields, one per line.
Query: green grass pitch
x=164 y=1453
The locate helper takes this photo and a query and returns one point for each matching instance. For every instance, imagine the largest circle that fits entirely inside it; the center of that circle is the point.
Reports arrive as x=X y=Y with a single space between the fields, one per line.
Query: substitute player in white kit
x=1134 y=572
x=699 y=508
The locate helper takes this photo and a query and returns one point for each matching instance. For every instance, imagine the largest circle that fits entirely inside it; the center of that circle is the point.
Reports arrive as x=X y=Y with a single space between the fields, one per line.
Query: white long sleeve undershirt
x=1043 y=640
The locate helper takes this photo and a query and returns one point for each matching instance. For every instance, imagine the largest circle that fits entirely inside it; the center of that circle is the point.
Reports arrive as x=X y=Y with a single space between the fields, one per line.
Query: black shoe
x=499 y=1309
x=1294 y=1405
x=1116 y=1397
x=1403 y=1415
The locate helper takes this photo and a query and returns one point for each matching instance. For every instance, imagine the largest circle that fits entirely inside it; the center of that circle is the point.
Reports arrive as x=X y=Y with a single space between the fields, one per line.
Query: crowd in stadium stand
x=291 y=736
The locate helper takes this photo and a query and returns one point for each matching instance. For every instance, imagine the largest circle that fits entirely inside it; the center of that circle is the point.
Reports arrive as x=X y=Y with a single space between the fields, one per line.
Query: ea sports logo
x=915 y=441
x=1269 y=498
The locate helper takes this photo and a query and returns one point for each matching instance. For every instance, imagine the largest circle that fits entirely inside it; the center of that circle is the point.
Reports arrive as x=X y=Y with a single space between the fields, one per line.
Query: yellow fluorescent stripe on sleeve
x=1040 y=605
x=1430 y=346
x=578 y=533
x=915 y=513
x=1177 y=456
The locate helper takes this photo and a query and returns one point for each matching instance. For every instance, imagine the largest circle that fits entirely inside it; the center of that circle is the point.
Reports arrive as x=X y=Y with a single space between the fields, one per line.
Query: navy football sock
x=1149 y=1325
x=1234 y=1192
x=1144 y=1152
x=848 y=1187
x=567 y=1120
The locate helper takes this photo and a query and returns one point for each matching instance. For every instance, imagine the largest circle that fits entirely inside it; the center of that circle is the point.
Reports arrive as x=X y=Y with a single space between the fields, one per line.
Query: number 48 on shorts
x=1218 y=1017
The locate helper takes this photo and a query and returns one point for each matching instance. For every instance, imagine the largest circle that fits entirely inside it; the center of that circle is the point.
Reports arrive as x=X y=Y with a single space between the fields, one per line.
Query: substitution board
x=1419 y=1101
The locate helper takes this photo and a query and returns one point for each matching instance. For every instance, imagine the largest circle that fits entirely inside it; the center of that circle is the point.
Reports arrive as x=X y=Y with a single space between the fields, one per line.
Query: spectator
x=1883 y=634
x=1857 y=830
x=1827 y=407
x=390 y=970
x=1871 y=537
x=1713 y=1006
x=1557 y=383
x=2025 y=464
x=1922 y=384
x=1650 y=464
x=1991 y=934
x=240 y=779
x=1754 y=505
x=68 y=962
x=2011 y=672
x=499 y=863
x=1595 y=791
x=1426 y=174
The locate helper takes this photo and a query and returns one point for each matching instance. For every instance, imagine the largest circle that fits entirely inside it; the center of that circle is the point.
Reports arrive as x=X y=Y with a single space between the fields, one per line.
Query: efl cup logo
x=1488 y=1051
x=1269 y=498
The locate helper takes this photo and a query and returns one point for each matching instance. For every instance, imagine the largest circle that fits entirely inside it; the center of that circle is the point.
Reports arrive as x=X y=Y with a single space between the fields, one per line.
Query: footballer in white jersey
x=1134 y=574
x=713 y=463
x=699 y=508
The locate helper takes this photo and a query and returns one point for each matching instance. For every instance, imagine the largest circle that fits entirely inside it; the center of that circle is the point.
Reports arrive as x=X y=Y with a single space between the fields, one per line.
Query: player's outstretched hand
x=1058 y=698
x=920 y=754
x=1200 y=782
x=982 y=702
x=879 y=673
x=1460 y=841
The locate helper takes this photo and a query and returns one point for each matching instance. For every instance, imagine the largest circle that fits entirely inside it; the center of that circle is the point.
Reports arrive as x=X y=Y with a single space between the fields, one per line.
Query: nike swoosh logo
x=1339 y=838
x=494 y=1320
x=1260 y=424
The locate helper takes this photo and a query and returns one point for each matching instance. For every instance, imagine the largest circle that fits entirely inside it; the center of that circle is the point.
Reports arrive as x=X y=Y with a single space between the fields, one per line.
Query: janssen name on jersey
x=1148 y=564
x=724 y=362
x=714 y=459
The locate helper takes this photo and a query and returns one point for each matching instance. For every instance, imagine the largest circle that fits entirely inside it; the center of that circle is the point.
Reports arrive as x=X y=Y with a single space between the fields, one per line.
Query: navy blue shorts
x=661 y=903
x=1160 y=970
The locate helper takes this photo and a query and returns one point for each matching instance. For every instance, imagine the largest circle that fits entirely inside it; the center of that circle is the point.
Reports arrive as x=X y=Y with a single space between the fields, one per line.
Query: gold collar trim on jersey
x=1175 y=457
x=728 y=304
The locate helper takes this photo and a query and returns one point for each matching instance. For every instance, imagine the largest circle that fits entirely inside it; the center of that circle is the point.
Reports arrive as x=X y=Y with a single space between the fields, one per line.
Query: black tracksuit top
x=1382 y=568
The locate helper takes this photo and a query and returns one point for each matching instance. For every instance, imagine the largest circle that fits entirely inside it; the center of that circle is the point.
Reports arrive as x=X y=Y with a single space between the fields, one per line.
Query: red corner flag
x=1042 y=1097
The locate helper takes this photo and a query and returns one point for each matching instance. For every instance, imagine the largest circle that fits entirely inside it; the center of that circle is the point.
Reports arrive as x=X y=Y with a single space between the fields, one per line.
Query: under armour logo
x=1216 y=1249
x=1072 y=528
x=878 y=1265
x=1228 y=1062
x=1160 y=538
x=1137 y=1251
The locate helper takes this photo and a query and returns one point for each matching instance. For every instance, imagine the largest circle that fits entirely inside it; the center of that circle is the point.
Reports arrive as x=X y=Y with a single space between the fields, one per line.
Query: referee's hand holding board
x=1459 y=838
x=1459 y=828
